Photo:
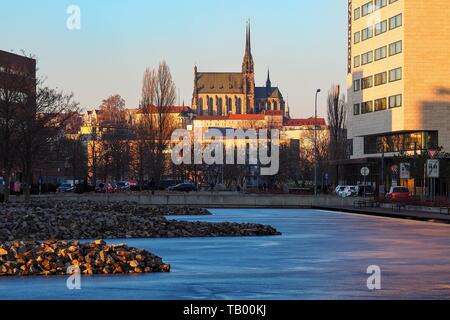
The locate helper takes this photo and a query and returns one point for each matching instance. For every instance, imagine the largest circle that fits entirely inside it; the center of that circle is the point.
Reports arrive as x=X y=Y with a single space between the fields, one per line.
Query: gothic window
x=210 y=106
x=268 y=106
x=238 y=106
x=229 y=106
x=200 y=106
x=219 y=106
x=275 y=105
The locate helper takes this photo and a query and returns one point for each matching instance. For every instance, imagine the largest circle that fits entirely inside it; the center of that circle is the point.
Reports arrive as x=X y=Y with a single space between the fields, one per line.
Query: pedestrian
x=152 y=186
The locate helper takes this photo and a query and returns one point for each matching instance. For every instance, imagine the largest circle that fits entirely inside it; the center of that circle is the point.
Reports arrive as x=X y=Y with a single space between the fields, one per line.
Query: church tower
x=248 y=73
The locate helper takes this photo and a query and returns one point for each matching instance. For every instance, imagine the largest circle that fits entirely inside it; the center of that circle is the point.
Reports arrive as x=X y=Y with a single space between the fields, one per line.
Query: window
x=395 y=75
x=395 y=101
x=210 y=102
x=395 y=22
x=380 y=4
x=367 y=82
x=356 y=109
x=380 y=53
x=367 y=33
x=357 y=37
x=396 y=142
x=367 y=8
x=356 y=85
x=357 y=13
x=229 y=105
x=395 y=48
x=367 y=58
x=380 y=104
x=380 y=79
x=357 y=61
x=219 y=107
x=238 y=106
x=366 y=107
x=381 y=27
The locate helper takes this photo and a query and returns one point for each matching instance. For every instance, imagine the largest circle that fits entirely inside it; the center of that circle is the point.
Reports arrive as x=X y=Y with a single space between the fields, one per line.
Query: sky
x=302 y=42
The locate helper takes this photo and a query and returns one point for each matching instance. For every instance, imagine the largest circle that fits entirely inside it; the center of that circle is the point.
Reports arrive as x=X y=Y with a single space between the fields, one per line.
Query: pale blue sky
x=303 y=42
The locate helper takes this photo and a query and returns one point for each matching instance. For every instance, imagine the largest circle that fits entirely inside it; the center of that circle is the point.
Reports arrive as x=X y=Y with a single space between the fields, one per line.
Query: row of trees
x=32 y=118
x=119 y=148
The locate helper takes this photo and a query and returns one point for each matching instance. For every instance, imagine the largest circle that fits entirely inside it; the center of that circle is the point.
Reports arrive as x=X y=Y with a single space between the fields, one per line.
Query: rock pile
x=55 y=257
x=124 y=207
x=66 y=221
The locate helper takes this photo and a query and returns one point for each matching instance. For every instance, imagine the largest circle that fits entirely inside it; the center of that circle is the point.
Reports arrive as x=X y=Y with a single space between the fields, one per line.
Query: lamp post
x=315 y=144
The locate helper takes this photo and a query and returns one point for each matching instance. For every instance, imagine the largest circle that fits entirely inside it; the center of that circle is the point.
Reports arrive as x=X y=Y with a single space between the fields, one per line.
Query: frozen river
x=321 y=255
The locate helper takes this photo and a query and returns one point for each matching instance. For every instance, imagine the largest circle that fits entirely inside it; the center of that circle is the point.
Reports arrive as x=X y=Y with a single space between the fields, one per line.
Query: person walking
x=152 y=186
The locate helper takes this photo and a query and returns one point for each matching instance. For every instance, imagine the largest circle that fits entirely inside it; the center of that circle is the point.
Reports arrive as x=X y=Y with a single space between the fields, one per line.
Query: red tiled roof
x=245 y=117
x=305 y=122
x=172 y=109
x=274 y=112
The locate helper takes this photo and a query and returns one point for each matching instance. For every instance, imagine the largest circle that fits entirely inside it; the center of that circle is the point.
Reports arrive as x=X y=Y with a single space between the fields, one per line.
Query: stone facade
x=424 y=86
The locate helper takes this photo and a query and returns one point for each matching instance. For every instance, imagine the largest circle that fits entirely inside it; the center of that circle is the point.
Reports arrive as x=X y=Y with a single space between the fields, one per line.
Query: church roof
x=264 y=92
x=220 y=82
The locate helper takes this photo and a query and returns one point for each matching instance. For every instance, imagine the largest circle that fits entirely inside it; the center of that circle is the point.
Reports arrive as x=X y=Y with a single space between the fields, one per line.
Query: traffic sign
x=432 y=153
x=394 y=169
x=433 y=168
x=365 y=171
x=405 y=171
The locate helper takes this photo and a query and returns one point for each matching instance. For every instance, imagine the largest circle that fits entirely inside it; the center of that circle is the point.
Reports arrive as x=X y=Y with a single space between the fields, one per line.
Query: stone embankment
x=19 y=258
x=73 y=220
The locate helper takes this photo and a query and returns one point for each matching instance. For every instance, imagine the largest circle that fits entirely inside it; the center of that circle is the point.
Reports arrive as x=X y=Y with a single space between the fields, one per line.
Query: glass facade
x=397 y=142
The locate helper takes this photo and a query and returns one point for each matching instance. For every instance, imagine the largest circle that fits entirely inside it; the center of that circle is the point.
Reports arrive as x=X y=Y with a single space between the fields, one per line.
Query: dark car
x=123 y=186
x=66 y=187
x=183 y=187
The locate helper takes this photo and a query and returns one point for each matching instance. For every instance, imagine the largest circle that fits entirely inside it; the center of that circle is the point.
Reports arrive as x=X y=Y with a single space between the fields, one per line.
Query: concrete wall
x=207 y=200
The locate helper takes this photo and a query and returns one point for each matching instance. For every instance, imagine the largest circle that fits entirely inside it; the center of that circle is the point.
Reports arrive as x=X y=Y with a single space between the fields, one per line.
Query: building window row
x=398 y=142
x=377 y=80
x=370 y=7
x=380 y=53
x=378 y=28
x=380 y=104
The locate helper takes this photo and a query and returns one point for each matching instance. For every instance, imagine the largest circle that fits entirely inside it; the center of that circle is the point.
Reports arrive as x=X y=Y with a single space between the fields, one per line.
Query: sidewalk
x=388 y=212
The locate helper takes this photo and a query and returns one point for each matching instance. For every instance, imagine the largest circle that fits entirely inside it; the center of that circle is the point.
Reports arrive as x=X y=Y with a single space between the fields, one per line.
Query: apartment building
x=398 y=76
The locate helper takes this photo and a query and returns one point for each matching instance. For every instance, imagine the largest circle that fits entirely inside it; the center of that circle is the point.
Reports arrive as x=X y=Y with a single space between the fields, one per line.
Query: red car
x=399 y=194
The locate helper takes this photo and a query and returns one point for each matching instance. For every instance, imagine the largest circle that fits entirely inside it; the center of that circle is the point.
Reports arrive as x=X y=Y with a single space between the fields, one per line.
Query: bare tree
x=337 y=121
x=17 y=95
x=156 y=123
x=40 y=126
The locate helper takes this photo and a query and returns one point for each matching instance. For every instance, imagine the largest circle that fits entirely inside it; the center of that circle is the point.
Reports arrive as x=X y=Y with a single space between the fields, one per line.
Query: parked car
x=349 y=191
x=399 y=194
x=123 y=186
x=105 y=188
x=339 y=190
x=65 y=187
x=183 y=187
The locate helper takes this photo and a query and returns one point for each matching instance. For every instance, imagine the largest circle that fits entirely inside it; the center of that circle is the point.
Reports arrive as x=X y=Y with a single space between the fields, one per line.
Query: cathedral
x=225 y=93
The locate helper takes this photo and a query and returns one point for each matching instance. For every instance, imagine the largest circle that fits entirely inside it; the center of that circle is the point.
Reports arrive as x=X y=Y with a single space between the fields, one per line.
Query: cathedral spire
x=248 y=44
x=268 y=82
x=248 y=65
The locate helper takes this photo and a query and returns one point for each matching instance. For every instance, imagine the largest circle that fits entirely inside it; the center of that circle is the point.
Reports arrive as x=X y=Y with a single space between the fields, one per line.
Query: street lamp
x=315 y=144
